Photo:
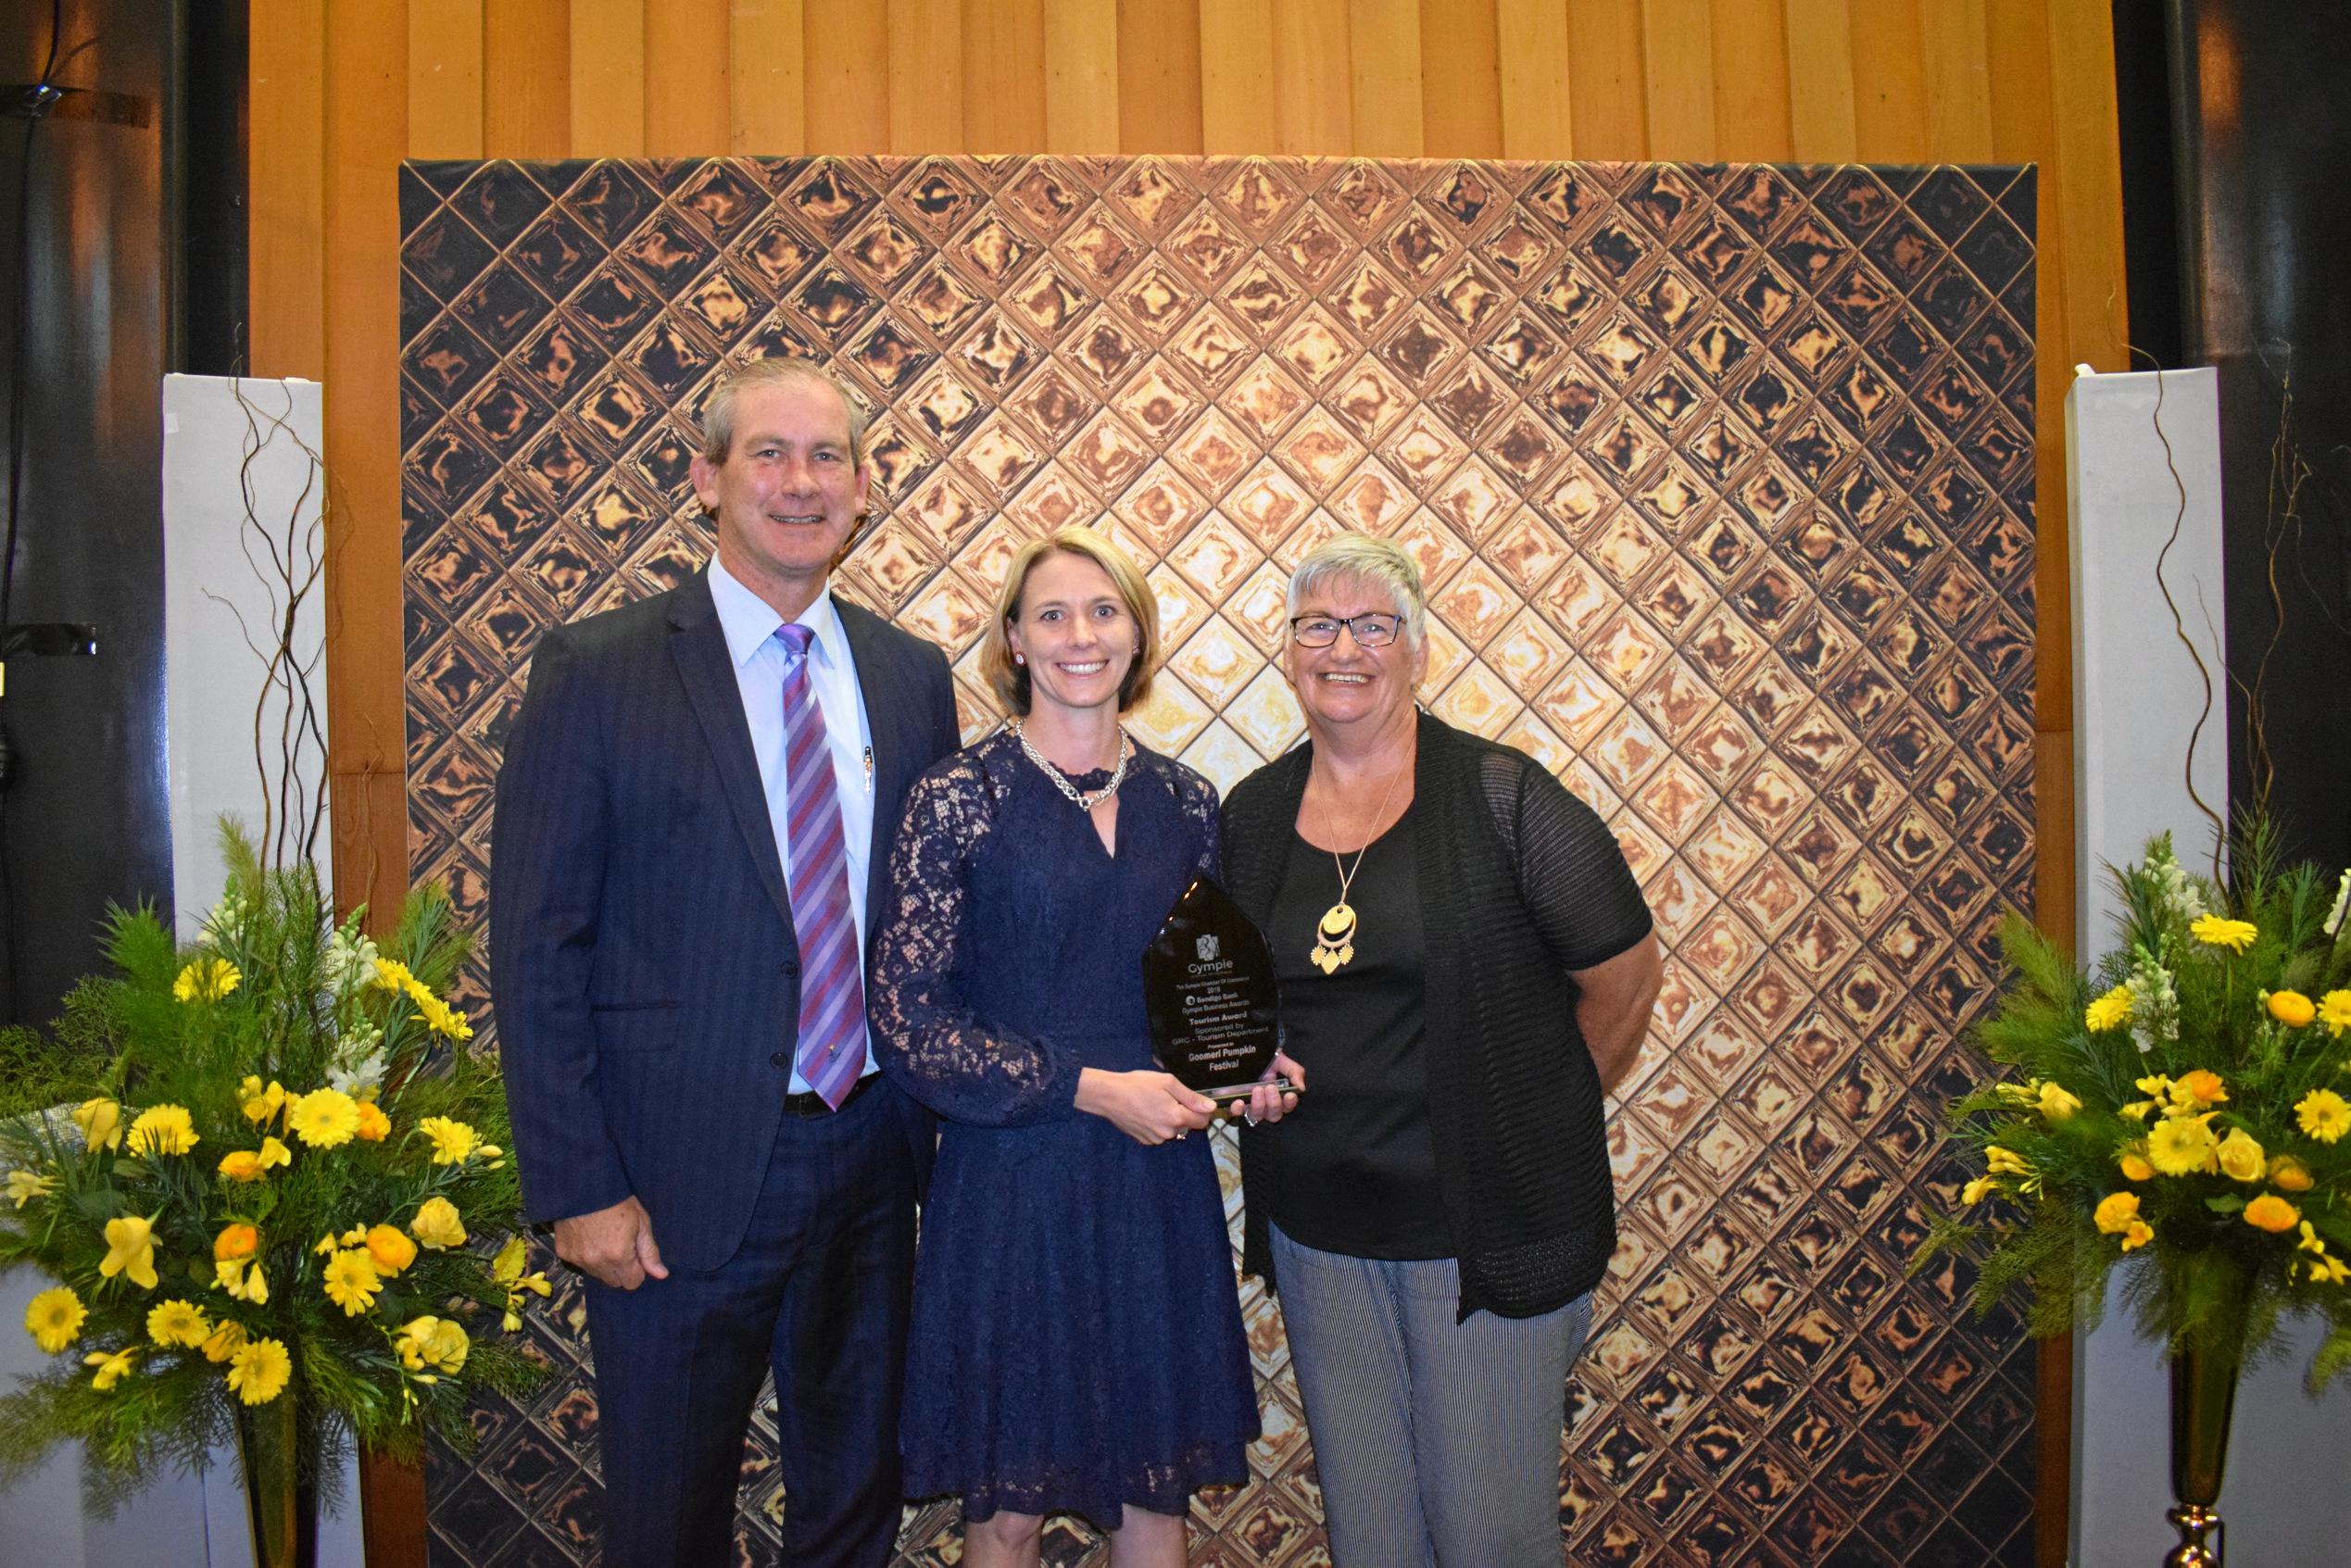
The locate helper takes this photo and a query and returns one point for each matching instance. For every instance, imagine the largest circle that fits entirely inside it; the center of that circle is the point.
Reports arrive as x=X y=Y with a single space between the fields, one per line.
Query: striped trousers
x=1436 y=1442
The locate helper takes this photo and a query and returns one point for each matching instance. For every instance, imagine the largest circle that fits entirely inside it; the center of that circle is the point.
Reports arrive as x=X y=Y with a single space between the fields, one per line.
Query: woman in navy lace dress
x=1077 y=1342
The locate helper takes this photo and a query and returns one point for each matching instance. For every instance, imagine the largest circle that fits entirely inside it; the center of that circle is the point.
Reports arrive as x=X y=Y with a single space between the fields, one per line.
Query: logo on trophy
x=1208 y=985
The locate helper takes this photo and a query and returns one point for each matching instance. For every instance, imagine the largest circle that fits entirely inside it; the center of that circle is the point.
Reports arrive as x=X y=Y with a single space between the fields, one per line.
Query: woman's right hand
x=1150 y=1107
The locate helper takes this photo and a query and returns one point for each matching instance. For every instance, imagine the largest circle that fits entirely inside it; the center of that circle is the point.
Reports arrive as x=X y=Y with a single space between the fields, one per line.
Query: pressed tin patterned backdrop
x=1721 y=476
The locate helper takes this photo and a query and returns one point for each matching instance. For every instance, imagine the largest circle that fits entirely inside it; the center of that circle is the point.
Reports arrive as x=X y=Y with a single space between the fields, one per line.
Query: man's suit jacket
x=643 y=969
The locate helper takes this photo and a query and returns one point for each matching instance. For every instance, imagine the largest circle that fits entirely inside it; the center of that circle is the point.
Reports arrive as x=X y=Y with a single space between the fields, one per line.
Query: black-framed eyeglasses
x=1371 y=630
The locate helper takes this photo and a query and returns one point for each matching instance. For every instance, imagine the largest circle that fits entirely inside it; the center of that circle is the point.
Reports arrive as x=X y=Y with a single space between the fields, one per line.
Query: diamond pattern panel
x=1721 y=480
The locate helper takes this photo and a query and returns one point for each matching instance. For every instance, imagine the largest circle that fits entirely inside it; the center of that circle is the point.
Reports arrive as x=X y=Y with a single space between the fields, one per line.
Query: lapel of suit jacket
x=698 y=644
x=878 y=684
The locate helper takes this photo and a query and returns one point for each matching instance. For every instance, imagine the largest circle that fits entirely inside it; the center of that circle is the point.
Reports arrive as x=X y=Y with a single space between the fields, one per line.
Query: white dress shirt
x=751 y=624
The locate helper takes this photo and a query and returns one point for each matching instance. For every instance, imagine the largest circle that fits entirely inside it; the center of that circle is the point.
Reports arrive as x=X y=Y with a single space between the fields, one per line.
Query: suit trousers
x=818 y=1292
x=1436 y=1442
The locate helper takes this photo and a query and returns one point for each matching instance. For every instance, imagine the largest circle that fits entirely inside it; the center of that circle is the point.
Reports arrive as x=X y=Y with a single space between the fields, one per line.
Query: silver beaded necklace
x=1091 y=798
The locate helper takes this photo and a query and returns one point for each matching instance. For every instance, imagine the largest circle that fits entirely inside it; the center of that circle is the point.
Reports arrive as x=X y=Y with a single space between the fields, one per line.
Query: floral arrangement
x=2179 y=1111
x=268 y=1213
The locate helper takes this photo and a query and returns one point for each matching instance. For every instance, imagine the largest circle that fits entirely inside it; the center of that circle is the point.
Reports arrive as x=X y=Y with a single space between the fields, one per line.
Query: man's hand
x=614 y=1245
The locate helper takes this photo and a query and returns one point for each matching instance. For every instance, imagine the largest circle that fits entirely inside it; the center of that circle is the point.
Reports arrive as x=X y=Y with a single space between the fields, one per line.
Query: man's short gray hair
x=1367 y=558
x=718 y=408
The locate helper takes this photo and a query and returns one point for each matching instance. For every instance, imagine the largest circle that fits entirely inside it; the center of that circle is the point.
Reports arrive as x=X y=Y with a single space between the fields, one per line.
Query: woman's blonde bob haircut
x=1011 y=681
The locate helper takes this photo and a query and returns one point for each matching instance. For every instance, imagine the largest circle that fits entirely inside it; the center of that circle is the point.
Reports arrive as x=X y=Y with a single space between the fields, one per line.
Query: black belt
x=813 y=1104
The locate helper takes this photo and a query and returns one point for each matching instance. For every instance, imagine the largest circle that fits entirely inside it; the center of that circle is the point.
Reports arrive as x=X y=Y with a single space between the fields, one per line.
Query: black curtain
x=2243 y=269
x=122 y=139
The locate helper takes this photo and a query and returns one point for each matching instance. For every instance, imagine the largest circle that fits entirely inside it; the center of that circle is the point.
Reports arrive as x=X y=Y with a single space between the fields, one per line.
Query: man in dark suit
x=693 y=836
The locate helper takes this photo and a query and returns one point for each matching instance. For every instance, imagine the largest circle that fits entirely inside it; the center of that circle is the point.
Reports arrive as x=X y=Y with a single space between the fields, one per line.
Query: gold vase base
x=2193 y=1521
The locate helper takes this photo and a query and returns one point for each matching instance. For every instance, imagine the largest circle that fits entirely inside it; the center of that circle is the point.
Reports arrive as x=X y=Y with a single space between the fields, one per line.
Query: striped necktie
x=832 y=1044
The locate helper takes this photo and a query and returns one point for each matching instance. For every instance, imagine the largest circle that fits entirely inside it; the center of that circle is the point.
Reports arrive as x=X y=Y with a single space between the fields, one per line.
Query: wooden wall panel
x=1237 y=76
x=526 y=78
x=1159 y=98
x=607 y=50
x=686 y=70
x=1535 y=121
x=1609 y=79
x=1460 y=80
x=1003 y=75
x=766 y=78
x=342 y=90
x=1314 y=103
x=444 y=79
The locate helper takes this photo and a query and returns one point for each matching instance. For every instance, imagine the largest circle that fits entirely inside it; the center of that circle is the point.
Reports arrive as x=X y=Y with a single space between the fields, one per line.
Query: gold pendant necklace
x=1335 y=932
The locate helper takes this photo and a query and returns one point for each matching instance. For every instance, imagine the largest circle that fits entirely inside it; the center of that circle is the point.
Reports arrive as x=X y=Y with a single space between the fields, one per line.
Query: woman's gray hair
x=1370 y=558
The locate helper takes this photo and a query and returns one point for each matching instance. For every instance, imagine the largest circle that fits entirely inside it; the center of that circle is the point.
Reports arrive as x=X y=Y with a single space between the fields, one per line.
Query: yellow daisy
x=179 y=1323
x=2334 y=1011
x=206 y=980
x=323 y=1118
x=2180 y=1146
x=54 y=1318
x=2110 y=1011
x=452 y=1141
x=2324 y=1115
x=351 y=1281
x=258 y=1372
x=2214 y=930
x=163 y=1129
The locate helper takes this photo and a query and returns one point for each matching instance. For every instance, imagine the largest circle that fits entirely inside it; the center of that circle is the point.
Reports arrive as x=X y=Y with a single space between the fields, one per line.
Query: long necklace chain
x=1091 y=798
x=1335 y=932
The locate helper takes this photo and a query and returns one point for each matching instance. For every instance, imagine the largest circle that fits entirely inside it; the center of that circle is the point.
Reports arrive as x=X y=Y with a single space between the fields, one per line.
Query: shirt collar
x=751 y=621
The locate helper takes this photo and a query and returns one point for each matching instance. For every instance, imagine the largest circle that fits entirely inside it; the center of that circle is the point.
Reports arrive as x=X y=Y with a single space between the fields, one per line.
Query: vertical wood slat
x=1890 y=84
x=526 y=69
x=927 y=62
x=1384 y=77
x=1678 y=77
x=766 y=78
x=1752 y=92
x=1003 y=75
x=1237 y=76
x=686 y=77
x=1461 y=79
x=286 y=219
x=608 y=45
x=1536 y=118
x=845 y=46
x=1081 y=77
x=1314 y=103
x=1609 y=94
x=1159 y=102
x=2089 y=185
x=444 y=79
x=1955 y=56
x=1821 y=91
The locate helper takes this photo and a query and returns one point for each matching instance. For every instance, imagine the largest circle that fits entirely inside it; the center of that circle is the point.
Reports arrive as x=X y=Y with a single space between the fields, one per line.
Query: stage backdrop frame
x=1722 y=478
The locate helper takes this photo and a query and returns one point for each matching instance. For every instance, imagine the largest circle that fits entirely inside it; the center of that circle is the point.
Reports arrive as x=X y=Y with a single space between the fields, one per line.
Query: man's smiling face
x=788 y=492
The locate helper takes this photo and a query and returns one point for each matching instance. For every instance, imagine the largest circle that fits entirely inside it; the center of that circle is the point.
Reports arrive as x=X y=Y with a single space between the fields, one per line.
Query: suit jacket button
x=781 y=1058
x=791 y=970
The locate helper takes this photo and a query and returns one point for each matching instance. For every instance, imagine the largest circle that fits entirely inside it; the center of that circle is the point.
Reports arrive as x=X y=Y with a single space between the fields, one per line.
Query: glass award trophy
x=1208 y=985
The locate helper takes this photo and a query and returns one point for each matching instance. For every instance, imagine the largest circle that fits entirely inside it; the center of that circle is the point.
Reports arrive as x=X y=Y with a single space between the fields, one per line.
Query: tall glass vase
x=281 y=1504
x=2205 y=1368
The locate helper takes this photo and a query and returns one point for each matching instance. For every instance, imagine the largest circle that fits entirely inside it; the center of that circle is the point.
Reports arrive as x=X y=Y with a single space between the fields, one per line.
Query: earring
x=1019 y=659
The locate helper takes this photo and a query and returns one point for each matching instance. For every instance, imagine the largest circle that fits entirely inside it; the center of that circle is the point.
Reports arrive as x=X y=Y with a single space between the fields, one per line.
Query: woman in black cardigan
x=1466 y=967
